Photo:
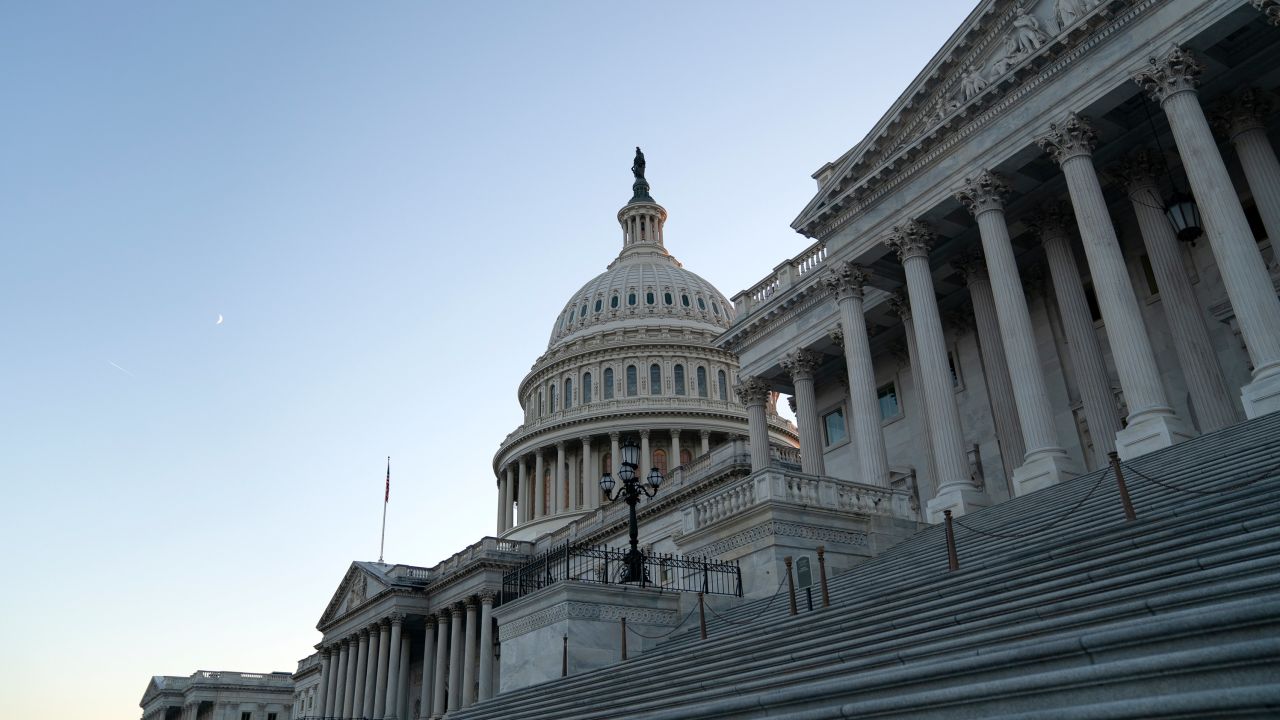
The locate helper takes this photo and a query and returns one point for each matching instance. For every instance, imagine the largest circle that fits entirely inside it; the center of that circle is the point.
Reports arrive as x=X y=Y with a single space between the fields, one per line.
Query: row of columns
x=367 y=675
x=1003 y=318
x=516 y=487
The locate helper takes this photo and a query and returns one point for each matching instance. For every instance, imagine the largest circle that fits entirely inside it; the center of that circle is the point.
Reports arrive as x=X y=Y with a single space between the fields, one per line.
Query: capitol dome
x=631 y=359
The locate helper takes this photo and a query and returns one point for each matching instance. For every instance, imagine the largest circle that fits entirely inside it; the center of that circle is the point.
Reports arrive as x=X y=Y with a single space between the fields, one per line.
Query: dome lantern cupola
x=642 y=218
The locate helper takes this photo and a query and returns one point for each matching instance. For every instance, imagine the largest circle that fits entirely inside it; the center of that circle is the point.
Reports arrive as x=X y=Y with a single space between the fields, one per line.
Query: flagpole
x=385 y=497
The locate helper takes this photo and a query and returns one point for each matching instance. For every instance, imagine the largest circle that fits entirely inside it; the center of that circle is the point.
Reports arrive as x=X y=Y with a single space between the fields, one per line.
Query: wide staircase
x=1060 y=608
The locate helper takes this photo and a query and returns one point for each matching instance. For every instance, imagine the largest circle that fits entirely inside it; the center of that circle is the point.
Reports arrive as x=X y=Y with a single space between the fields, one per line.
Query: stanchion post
x=822 y=575
x=702 y=617
x=791 y=585
x=564 y=657
x=1129 y=514
x=624 y=638
x=953 y=561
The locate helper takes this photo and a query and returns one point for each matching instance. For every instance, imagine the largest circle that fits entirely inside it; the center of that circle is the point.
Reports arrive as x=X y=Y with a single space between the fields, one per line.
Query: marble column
x=801 y=365
x=590 y=481
x=403 y=711
x=334 y=703
x=646 y=455
x=362 y=669
x=955 y=491
x=926 y=476
x=1100 y=412
x=504 y=510
x=1004 y=410
x=455 y=660
x=486 y=645
x=540 y=485
x=1171 y=81
x=614 y=456
x=428 y=667
x=439 y=688
x=1196 y=354
x=469 y=655
x=705 y=436
x=341 y=684
x=1152 y=423
x=673 y=460
x=846 y=281
x=326 y=673
x=1046 y=461
x=371 y=671
x=753 y=393
x=380 y=680
x=191 y=711
x=558 y=493
x=393 y=666
x=1243 y=121
x=525 y=493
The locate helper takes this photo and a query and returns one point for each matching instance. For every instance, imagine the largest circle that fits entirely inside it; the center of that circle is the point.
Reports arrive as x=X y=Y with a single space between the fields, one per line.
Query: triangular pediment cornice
x=995 y=49
x=357 y=587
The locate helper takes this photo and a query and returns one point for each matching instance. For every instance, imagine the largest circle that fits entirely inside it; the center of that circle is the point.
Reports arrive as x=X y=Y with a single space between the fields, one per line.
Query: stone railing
x=410 y=573
x=778 y=485
x=783 y=277
x=488 y=548
x=784 y=457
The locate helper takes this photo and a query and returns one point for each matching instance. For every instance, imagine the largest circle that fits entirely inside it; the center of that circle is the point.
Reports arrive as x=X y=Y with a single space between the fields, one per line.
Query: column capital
x=900 y=305
x=836 y=334
x=1072 y=137
x=704 y=433
x=487 y=596
x=1176 y=71
x=1138 y=171
x=471 y=602
x=540 y=453
x=363 y=633
x=431 y=621
x=1269 y=8
x=791 y=402
x=560 y=446
x=445 y=613
x=1243 y=111
x=1051 y=220
x=752 y=391
x=585 y=439
x=801 y=364
x=972 y=265
x=845 y=279
x=912 y=238
x=614 y=436
x=460 y=606
x=984 y=192
x=644 y=434
x=396 y=618
x=374 y=627
x=675 y=433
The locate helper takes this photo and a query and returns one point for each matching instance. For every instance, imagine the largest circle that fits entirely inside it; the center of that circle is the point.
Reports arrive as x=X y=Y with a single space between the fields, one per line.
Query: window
x=271 y=716
x=583 y=312
x=648 y=298
x=715 y=308
x=608 y=384
x=553 y=398
x=702 y=381
x=599 y=304
x=702 y=305
x=631 y=298
x=833 y=427
x=660 y=460
x=631 y=381
x=568 y=393
x=246 y=716
x=655 y=379
x=723 y=384
x=586 y=388
x=666 y=299
x=606 y=464
x=887 y=395
x=539 y=402
x=684 y=299
x=686 y=457
x=678 y=375
x=613 y=302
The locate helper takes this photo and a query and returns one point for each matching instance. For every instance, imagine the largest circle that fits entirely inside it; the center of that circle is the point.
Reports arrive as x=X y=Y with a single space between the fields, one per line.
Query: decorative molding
x=1174 y=72
x=1243 y=111
x=801 y=364
x=1073 y=137
x=783 y=529
x=984 y=192
x=912 y=238
x=752 y=391
x=845 y=279
x=578 y=610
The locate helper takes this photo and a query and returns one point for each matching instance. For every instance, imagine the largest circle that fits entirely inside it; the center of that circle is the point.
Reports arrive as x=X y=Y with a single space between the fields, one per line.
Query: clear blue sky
x=389 y=203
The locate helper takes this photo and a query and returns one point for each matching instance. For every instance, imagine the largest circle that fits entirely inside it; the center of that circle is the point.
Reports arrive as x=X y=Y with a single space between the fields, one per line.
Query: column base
x=958 y=499
x=1261 y=396
x=1044 y=469
x=1152 y=432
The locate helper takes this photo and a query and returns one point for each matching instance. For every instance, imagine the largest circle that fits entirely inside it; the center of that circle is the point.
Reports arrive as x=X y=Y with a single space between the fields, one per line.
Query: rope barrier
x=1228 y=489
x=755 y=617
x=1029 y=533
x=633 y=631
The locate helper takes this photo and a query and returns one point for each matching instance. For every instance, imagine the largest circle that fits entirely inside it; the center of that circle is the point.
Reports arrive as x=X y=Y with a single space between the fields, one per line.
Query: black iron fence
x=608 y=566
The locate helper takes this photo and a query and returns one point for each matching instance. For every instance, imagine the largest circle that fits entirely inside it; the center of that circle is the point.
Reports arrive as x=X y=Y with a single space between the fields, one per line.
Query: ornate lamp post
x=630 y=491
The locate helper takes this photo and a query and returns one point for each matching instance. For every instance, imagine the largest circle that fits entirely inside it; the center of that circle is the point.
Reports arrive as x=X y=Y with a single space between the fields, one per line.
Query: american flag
x=387 y=496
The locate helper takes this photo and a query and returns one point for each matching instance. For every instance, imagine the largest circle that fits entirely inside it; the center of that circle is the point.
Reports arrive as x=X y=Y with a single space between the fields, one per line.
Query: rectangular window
x=246 y=716
x=678 y=375
x=833 y=427
x=702 y=382
x=271 y=716
x=888 y=397
x=631 y=380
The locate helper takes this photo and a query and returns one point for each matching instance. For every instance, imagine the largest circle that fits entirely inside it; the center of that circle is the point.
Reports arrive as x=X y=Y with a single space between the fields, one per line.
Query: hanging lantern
x=1184 y=216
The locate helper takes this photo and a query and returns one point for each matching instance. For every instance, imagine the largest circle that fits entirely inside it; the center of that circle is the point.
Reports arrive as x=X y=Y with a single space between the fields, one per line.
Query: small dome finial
x=640 y=188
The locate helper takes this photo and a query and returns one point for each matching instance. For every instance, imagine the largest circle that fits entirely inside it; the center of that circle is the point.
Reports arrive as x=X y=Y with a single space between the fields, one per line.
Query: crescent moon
x=219 y=319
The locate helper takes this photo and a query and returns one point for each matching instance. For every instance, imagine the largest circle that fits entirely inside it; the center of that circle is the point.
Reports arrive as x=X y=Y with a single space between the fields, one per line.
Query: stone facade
x=219 y=695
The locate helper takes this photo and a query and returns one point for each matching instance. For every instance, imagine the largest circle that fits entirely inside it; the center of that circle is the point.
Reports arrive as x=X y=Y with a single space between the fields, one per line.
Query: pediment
x=992 y=51
x=357 y=586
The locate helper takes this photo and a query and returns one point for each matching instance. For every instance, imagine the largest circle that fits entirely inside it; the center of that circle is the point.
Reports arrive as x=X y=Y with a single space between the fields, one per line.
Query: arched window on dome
x=655 y=379
x=684 y=299
x=649 y=298
x=660 y=460
x=723 y=384
x=667 y=299
x=686 y=457
x=613 y=301
x=631 y=299
x=568 y=393
x=631 y=381
x=677 y=375
x=606 y=465
x=702 y=381
x=586 y=388
x=583 y=312
x=553 y=397
x=599 y=304
x=540 y=412
x=606 y=390
x=715 y=308
x=702 y=305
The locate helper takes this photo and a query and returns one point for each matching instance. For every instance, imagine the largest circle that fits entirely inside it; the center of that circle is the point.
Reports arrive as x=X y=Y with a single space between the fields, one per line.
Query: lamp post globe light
x=630 y=492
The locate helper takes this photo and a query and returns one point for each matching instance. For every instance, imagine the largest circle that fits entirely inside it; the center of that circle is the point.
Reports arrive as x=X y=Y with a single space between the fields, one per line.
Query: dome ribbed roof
x=639 y=291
